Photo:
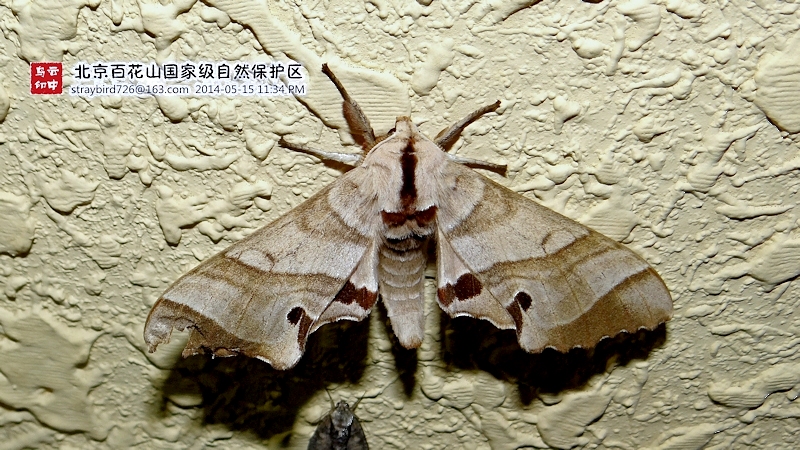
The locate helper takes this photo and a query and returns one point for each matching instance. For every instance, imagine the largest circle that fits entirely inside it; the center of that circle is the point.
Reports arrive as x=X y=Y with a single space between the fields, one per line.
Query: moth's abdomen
x=401 y=275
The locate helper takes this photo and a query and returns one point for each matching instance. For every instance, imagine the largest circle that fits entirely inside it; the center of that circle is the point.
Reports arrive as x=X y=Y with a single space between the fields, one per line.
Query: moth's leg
x=499 y=169
x=447 y=137
x=358 y=122
x=344 y=158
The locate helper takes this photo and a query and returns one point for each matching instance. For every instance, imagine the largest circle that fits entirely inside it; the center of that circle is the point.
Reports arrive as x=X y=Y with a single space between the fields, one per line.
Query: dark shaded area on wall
x=247 y=394
x=472 y=344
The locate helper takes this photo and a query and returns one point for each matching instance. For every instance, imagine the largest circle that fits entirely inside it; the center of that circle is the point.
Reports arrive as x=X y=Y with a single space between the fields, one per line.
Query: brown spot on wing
x=467 y=286
x=298 y=314
x=362 y=296
x=524 y=300
x=446 y=295
x=295 y=315
x=516 y=313
x=302 y=331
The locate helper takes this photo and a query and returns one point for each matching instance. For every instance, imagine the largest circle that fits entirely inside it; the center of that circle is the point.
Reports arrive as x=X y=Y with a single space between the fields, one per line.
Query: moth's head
x=342 y=416
x=403 y=128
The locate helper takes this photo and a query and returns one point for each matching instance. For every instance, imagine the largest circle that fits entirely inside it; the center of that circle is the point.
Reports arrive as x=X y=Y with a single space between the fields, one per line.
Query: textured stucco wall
x=668 y=125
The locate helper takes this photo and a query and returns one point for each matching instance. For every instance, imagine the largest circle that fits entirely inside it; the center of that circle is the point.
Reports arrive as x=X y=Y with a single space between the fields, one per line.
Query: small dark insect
x=339 y=430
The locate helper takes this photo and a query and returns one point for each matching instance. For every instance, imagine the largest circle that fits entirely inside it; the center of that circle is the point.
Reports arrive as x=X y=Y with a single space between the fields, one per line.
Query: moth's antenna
x=447 y=137
x=355 y=405
x=389 y=384
x=318 y=421
x=376 y=395
x=355 y=117
x=330 y=398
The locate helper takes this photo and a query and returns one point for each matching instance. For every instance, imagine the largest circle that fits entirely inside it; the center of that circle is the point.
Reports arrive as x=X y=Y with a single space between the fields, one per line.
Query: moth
x=500 y=257
x=339 y=430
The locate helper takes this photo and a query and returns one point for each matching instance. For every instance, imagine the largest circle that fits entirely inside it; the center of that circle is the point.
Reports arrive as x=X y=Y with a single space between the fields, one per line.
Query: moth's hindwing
x=522 y=266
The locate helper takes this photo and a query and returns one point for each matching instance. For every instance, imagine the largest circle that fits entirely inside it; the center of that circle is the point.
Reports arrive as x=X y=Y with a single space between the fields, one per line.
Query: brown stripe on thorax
x=408 y=164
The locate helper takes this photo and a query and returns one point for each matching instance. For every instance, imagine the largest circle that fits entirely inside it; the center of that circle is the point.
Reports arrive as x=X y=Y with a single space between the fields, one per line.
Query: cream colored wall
x=664 y=124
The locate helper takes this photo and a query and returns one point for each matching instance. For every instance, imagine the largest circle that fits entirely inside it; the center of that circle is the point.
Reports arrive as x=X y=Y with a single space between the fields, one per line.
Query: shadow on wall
x=472 y=344
x=246 y=394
